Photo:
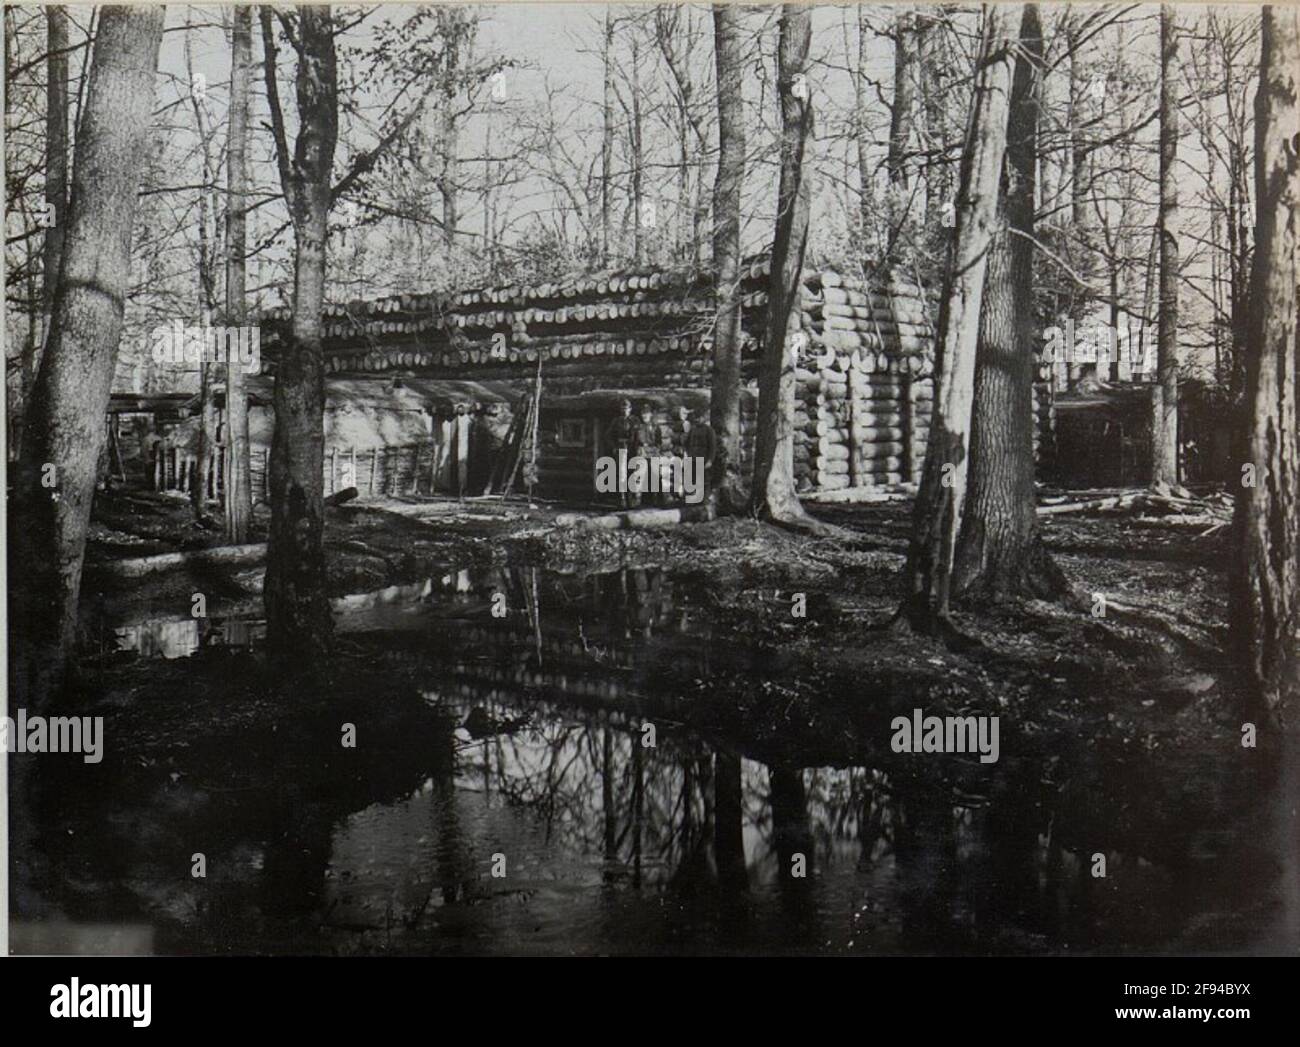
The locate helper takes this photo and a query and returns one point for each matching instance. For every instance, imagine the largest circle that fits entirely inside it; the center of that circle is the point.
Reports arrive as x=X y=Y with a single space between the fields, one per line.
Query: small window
x=572 y=432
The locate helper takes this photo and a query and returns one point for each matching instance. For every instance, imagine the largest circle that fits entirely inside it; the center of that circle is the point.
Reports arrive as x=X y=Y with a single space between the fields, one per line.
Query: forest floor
x=1148 y=675
x=1132 y=719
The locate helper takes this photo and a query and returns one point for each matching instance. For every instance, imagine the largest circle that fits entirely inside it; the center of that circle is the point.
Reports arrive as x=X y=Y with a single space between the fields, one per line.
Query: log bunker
x=440 y=393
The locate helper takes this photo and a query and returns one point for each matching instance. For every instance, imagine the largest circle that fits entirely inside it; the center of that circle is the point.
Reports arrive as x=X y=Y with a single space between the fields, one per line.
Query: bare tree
x=1266 y=580
x=238 y=486
x=902 y=110
x=1164 y=419
x=940 y=500
x=607 y=142
x=677 y=38
x=999 y=552
x=65 y=425
x=206 y=266
x=724 y=408
x=298 y=613
x=861 y=133
x=773 y=493
x=297 y=608
x=56 y=170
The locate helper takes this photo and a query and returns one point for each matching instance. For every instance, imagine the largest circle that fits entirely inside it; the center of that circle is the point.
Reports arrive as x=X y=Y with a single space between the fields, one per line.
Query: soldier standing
x=700 y=443
x=622 y=437
x=645 y=443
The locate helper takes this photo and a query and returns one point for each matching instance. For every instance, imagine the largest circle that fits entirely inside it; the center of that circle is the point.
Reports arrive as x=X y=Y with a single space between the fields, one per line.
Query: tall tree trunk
x=999 y=552
x=930 y=55
x=607 y=144
x=1080 y=166
x=238 y=490
x=450 y=140
x=297 y=609
x=1266 y=583
x=206 y=259
x=56 y=172
x=861 y=104
x=1164 y=421
x=774 y=495
x=901 y=112
x=638 y=173
x=940 y=501
x=681 y=252
x=724 y=407
x=65 y=425
x=1148 y=299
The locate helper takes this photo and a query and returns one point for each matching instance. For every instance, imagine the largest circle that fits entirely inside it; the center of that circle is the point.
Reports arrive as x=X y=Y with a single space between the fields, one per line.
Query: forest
x=325 y=326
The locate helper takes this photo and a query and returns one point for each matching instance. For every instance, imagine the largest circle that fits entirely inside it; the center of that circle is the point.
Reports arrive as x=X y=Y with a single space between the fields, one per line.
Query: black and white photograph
x=657 y=480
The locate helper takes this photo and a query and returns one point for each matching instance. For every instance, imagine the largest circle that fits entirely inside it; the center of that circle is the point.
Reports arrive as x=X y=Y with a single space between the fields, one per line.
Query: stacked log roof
x=644 y=312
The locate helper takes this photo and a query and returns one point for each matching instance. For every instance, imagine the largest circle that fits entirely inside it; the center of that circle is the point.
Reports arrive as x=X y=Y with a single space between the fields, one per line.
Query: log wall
x=865 y=383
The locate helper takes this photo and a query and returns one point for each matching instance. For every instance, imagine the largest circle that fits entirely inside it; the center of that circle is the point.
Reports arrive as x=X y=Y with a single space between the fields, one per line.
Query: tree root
x=795 y=518
x=932 y=625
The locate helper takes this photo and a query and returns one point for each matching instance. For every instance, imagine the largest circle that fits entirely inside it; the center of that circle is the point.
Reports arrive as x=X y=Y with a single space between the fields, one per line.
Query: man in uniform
x=622 y=437
x=699 y=442
x=645 y=443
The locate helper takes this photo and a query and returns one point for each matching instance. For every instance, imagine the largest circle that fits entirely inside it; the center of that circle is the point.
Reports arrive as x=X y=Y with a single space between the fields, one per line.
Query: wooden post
x=462 y=453
x=352 y=466
x=854 y=393
x=333 y=484
x=415 y=468
x=374 y=469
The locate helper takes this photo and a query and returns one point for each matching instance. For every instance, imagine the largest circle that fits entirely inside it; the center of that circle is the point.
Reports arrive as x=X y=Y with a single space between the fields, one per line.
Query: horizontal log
x=876 y=466
x=878 y=450
x=886 y=479
x=866 y=494
x=875 y=434
x=823 y=449
x=138 y=566
x=636 y=519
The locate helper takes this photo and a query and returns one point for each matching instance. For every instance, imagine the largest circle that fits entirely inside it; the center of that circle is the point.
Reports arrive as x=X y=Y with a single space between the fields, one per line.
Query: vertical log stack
x=866 y=409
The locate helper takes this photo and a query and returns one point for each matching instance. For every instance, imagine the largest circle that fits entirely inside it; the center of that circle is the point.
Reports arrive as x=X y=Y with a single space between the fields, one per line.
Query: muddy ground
x=1128 y=725
x=1148 y=675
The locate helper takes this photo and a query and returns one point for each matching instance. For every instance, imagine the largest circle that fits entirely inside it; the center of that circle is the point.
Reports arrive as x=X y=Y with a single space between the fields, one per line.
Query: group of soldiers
x=634 y=433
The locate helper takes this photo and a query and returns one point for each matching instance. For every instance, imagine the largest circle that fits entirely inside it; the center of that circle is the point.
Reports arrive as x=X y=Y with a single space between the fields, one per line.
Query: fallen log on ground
x=137 y=566
x=1211 y=510
x=1118 y=502
x=859 y=495
x=637 y=519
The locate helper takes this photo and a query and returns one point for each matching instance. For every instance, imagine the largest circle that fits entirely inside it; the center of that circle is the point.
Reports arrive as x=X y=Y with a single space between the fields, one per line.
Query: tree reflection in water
x=611 y=845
